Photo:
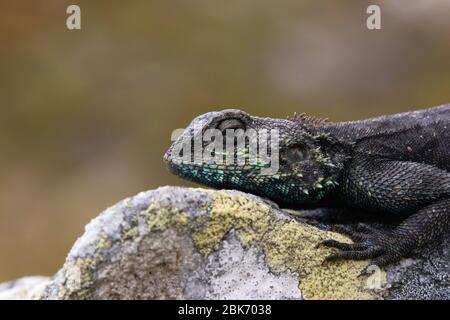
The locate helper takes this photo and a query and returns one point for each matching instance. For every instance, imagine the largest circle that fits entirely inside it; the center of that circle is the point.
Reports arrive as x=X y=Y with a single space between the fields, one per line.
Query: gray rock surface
x=27 y=288
x=181 y=243
x=425 y=277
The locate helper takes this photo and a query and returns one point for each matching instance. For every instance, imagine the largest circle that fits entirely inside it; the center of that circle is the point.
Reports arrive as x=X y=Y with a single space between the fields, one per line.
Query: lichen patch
x=293 y=246
x=250 y=220
x=287 y=245
x=160 y=218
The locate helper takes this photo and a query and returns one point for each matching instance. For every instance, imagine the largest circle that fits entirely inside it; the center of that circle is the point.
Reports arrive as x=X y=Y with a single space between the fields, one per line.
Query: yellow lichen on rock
x=248 y=218
x=78 y=277
x=159 y=217
x=293 y=246
x=288 y=245
x=103 y=242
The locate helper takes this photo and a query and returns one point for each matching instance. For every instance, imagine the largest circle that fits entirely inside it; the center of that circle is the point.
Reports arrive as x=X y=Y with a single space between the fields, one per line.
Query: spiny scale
x=308 y=120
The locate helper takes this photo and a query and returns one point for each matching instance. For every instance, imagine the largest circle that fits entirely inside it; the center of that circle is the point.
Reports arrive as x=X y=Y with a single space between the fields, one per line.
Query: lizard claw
x=364 y=272
x=380 y=246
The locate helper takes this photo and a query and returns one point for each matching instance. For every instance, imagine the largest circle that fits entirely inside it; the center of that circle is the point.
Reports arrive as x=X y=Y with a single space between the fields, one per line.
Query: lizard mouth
x=170 y=165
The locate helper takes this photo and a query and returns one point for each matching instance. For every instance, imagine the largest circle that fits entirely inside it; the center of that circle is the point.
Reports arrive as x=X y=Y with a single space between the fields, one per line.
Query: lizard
x=389 y=166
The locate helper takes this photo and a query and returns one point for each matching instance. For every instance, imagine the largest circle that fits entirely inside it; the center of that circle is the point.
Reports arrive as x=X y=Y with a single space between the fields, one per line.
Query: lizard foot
x=381 y=246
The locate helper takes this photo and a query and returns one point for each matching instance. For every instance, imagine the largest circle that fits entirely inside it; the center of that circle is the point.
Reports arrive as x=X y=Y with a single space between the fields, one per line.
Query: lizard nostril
x=166 y=157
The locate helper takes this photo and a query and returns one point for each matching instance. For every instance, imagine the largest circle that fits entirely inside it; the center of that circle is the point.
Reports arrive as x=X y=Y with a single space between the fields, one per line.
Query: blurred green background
x=86 y=116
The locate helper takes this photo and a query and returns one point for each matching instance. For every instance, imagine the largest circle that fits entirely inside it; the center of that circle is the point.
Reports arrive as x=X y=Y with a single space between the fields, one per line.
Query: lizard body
x=396 y=165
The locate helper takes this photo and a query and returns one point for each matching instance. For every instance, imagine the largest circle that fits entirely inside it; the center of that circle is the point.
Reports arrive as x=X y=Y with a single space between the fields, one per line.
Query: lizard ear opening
x=296 y=154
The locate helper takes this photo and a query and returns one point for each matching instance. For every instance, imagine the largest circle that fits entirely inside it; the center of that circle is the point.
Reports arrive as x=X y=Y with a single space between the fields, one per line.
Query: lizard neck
x=352 y=131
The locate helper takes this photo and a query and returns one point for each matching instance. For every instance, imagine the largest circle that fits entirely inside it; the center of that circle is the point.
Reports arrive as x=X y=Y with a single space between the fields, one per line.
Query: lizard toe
x=380 y=261
x=387 y=258
x=353 y=234
x=354 y=255
x=344 y=246
x=383 y=248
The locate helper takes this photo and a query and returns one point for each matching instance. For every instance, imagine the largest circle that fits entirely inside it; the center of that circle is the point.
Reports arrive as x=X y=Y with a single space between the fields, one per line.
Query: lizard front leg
x=397 y=188
x=385 y=247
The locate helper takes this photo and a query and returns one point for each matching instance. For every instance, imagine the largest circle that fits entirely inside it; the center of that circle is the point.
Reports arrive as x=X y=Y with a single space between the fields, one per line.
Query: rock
x=178 y=243
x=27 y=288
x=182 y=243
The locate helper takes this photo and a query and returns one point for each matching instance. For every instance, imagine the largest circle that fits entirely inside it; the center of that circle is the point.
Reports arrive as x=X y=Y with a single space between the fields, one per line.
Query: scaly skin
x=397 y=165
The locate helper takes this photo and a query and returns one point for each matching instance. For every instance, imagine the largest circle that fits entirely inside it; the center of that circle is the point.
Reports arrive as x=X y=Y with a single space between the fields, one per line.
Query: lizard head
x=290 y=161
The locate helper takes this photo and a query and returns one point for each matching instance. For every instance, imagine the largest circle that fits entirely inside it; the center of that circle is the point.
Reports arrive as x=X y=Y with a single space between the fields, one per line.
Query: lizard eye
x=230 y=124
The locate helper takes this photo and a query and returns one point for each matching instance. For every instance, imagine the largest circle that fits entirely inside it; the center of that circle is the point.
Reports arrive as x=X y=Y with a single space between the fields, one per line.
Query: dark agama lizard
x=396 y=165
